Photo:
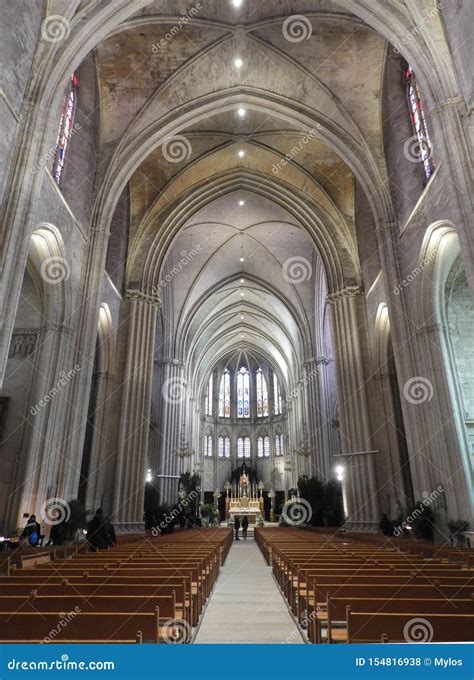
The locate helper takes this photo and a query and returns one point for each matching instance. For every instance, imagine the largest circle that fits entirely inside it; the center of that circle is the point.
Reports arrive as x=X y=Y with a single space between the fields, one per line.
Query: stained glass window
x=279 y=445
x=224 y=395
x=277 y=400
x=208 y=446
x=66 y=124
x=243 y=393
x=262 y=395
x=424 y=149
x=263 y=446
x=208 y=400
x=243 y=447
x=224 y=447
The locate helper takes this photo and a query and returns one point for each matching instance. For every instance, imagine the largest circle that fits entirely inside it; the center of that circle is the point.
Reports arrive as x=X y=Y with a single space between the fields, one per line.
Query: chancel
x=236 y=301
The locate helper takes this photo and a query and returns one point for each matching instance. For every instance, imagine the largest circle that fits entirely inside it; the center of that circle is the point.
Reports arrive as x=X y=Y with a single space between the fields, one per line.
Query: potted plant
x=457 y=527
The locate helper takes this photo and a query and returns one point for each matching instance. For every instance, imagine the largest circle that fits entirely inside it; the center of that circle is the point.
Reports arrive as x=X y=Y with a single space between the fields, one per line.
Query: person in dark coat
x=32 y=531
x=237 y=527
x=96 y=532
x=245 y=526
x=386 y=526
x=110 y=533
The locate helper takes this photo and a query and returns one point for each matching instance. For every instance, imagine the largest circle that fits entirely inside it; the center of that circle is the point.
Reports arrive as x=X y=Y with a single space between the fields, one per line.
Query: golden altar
x=244 y=500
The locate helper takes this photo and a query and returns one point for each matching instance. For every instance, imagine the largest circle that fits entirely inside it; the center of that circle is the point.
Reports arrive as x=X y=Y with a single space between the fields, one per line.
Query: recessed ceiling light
x=242 y=336
x=241 y=112
x=242 y=317
x=238 y=62
x=242 y=294
x=241 y=280
x=241 y=202
x=242 y=259
x=241 y=153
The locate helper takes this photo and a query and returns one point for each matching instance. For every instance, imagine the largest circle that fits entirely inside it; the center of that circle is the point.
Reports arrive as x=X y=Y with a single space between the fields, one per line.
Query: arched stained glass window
x=424 y=149
x=279 y=449
x=263 y=446
x=243 y=447
x=208 y=400
x=277 y=400
x=208 y=446
x=224 y=395
x=262 y=395
x=243 y=393
x=224 y=447
x=66 y=124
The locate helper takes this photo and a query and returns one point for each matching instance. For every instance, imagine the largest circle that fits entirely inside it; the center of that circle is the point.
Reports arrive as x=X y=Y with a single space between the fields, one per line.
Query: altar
x=243 y=499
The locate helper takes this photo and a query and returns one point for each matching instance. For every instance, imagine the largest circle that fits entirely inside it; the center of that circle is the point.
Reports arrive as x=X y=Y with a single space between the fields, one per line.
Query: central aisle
x=246 y=605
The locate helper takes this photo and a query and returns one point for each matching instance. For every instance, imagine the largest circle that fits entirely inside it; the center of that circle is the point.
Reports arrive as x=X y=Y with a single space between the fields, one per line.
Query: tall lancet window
x=208 y=446
x=263 y=447
x=424 y=149
x=279 y=450
x=243 y=447
x=224 y=395
x=66 y=124
x=277 y=400
x=224 y=446
x=208 y=399
x=262 y=395
x=243 y=393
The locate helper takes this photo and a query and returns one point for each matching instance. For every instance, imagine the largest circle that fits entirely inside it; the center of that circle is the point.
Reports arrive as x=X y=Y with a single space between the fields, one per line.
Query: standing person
x=245 y=526
x=96 y=534
x=110 y=533
x=32 y=531
x=237 y=527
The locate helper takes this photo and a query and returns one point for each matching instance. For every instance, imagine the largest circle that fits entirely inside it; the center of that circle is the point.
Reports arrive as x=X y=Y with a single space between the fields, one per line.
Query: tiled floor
x=246 y=605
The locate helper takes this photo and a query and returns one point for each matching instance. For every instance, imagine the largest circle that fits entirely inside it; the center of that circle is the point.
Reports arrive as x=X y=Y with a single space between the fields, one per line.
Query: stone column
x=133 y=437
x=316 y=398
x=348 y=332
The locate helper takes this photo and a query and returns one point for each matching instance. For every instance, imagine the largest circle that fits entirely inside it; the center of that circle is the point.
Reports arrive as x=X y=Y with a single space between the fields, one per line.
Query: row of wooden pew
x=344 y=590
x=150 y=590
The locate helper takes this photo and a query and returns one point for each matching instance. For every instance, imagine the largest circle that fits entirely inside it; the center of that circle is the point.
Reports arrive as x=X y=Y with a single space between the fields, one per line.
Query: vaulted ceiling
x=256 y=178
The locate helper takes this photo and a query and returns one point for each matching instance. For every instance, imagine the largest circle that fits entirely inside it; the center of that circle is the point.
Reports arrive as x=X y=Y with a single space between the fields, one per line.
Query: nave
x=288 y=586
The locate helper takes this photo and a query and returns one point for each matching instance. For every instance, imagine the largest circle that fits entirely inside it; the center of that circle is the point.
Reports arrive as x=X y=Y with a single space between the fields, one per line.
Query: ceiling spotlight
x=241 y=280
x=242 y=259
x=241 y=202
x=242 y=336
x=242 y=294
x=339 y=470
x=241 y=112
x=238 y=63
x=242 y=317
x=237 y=3
x=241 y=153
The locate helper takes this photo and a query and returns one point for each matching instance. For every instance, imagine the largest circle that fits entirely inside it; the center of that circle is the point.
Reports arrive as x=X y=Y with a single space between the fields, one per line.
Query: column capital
x=345 y=293
x=148 y=298
x=319 y=360
x=431 y=328
x=170 y=361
